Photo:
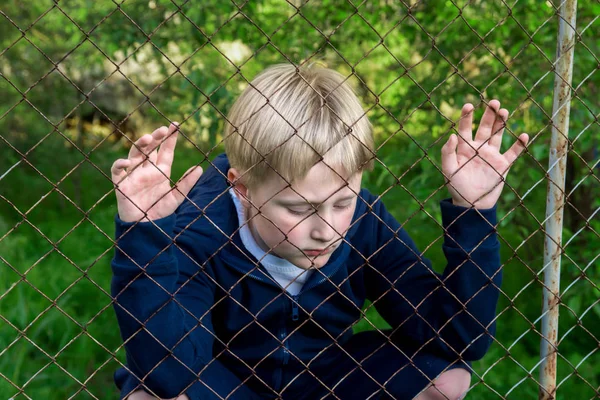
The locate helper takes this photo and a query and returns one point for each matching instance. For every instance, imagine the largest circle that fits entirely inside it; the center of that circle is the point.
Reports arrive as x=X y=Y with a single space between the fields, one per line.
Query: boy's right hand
x=142 y=183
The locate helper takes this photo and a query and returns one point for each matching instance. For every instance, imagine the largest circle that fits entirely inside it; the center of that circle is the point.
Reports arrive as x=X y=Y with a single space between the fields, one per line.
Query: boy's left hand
x=474 y=168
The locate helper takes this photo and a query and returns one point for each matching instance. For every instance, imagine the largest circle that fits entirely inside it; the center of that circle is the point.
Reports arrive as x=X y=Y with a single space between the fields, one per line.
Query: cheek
x=275 y=230
x=342 y=224
x=294 y=228
x=347 y=221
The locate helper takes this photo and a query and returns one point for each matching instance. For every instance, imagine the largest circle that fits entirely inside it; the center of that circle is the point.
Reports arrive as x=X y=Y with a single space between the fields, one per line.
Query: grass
x=59 y=337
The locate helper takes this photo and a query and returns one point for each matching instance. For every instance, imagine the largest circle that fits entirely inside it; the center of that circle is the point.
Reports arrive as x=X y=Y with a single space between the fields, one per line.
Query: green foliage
x=68 y=67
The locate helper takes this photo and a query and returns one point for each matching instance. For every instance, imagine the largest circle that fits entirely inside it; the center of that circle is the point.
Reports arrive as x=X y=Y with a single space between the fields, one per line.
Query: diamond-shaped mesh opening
x=195 y=287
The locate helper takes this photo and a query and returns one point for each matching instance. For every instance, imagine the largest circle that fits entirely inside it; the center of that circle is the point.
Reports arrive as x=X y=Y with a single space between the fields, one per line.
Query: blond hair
x=289 y=118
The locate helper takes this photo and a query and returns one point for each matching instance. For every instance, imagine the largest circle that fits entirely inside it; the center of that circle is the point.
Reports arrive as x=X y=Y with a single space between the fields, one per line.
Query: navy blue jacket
x=189 y=280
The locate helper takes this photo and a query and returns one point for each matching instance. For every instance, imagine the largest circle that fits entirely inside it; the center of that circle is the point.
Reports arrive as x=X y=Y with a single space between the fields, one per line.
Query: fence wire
x=82 y=81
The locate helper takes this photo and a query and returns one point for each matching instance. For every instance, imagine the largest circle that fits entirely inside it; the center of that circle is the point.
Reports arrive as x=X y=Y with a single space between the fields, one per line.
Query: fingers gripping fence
x=81 y=81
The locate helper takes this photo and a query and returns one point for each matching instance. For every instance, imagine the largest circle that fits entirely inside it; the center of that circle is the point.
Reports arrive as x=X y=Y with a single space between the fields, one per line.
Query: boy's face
x=283 y=212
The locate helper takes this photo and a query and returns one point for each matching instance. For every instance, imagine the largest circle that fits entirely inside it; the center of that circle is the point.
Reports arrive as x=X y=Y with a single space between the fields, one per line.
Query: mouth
x=319 y=252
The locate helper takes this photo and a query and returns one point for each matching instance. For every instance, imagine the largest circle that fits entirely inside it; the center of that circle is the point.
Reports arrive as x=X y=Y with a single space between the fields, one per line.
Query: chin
x=316 y=262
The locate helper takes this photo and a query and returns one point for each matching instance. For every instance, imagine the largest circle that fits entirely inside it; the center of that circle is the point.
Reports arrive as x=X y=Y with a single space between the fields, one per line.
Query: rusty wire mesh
x=48 y=324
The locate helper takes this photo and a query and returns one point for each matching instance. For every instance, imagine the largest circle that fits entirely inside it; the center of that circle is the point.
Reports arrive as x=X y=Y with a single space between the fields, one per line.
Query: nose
x=323 y=228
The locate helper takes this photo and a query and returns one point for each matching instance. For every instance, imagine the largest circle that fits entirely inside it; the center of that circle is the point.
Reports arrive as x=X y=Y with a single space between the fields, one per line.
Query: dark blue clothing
x=192 y=301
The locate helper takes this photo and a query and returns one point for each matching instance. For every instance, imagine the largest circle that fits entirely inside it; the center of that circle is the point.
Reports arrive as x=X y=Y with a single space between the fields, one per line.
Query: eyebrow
x=305 y=202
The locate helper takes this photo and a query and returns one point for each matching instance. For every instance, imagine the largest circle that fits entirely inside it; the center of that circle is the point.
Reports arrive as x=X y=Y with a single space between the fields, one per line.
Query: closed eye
x=308 y=211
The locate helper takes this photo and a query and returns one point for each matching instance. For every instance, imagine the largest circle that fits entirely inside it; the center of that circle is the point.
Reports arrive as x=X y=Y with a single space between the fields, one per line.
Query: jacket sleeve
x=162 y=299
x=454 y=312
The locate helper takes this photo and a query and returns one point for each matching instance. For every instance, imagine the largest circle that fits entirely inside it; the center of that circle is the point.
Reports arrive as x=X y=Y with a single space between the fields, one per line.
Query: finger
x=186 y=183
x=167 y=149
x=498 y=128
x=152 y=149
x=465 y=127
x=151 y=161
x=517 y=148
x=484 y=132
x=449 y=159
x=118 y=170
x=136 y=153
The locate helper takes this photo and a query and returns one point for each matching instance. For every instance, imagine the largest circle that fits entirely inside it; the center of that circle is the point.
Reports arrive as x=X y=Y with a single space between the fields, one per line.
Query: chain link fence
x=81 y=83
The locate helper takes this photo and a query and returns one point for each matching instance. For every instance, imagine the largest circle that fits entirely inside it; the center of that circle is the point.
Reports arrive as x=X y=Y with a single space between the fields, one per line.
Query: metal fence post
x=556 y=195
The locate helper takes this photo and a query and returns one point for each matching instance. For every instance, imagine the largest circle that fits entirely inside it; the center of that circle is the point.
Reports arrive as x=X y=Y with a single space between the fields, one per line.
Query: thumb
x=449 y=158
x=517 y=148
x=186 y=183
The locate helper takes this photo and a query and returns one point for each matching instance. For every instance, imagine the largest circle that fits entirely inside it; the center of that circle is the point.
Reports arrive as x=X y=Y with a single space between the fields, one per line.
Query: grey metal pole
x=556 y=195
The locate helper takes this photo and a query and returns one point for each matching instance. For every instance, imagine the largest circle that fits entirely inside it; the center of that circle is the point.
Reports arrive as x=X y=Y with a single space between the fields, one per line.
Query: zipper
x=286 y=353
x=278 y=373
x=282 y=334
x=295 y=311
x=295 y=308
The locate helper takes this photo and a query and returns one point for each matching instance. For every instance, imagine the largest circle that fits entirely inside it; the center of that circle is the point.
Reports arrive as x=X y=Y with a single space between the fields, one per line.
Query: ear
x=233 y=176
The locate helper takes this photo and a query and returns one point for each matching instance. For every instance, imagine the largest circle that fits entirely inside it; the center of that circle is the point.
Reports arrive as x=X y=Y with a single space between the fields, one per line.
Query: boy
x=245 y=283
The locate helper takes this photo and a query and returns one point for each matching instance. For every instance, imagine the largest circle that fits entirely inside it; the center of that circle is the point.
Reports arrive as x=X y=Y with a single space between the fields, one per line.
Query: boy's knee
x=143 y=395
x=450 y=385
x=140 y=395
